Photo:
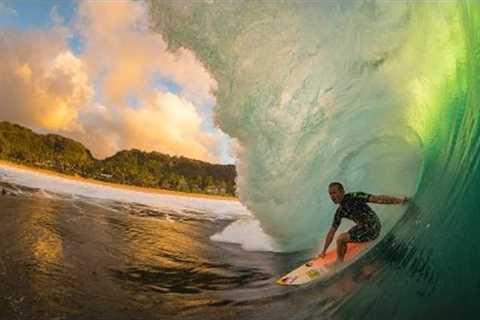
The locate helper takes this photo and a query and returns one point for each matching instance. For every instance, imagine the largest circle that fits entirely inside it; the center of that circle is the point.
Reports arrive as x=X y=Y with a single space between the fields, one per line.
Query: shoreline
x=13 y=165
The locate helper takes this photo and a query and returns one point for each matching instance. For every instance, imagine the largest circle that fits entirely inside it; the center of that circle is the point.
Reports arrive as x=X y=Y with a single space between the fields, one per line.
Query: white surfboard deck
x=319 y=268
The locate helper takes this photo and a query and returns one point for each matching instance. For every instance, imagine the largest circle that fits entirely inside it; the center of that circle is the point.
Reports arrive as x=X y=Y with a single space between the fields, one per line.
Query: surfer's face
x=336 y=194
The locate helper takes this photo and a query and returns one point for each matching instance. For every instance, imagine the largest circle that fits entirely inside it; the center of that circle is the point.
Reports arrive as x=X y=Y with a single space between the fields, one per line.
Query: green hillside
x=133 y=167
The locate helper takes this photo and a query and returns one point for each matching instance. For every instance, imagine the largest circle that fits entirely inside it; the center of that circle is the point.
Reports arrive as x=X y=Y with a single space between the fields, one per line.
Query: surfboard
x=318 y=268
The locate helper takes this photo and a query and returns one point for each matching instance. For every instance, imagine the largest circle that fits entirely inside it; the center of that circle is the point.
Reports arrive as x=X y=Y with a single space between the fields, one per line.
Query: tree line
x=131 y=167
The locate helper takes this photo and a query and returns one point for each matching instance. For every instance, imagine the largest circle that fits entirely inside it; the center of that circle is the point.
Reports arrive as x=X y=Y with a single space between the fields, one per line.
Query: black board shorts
x=364 y=232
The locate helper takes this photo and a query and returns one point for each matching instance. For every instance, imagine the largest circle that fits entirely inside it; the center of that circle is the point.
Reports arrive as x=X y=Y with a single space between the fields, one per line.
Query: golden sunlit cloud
x=180 y=133
x=168 y=124
x=126 y=56
x=43 y=84
x=84 y=96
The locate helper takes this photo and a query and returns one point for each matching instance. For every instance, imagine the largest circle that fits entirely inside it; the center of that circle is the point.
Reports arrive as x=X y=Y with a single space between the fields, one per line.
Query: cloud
x=168 y=124
x=179 y=130
x=125 y=59
x=44 y=85
x=121 y=51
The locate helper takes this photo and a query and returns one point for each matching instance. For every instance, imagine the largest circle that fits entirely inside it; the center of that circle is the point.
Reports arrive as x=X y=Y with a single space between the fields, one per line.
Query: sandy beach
x=9 y=164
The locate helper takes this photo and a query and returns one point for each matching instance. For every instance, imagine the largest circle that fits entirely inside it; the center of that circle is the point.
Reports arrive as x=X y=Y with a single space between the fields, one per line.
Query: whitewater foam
x=244 y=230
x=248 y=233
x=50 y=185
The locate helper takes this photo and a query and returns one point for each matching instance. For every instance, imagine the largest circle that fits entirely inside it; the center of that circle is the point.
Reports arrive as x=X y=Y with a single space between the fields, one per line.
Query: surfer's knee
x=343 y=238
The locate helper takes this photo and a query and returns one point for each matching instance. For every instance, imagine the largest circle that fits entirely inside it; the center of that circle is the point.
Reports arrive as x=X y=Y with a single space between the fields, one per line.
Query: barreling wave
x=381 y=96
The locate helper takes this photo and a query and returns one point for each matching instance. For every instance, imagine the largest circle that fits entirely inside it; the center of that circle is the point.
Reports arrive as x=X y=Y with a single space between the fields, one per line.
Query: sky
x=94 y=72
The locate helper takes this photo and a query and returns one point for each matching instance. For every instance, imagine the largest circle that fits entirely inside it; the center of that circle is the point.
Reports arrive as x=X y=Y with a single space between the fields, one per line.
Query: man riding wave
x=354 y=206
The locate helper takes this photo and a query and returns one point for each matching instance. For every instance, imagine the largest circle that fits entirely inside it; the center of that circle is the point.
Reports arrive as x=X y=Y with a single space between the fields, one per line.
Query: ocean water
x=73 y=250
x=382 y=96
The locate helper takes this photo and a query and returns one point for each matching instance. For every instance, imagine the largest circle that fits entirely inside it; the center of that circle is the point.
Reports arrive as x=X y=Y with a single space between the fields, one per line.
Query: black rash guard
x=354 y=207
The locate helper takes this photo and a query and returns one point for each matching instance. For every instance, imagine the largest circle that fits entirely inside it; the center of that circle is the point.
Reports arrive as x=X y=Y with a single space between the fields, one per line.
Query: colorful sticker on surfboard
x=313 y=273
x=320 y=267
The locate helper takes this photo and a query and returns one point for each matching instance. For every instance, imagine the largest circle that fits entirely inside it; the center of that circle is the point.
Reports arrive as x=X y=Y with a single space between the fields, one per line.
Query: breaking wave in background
x=381 y=96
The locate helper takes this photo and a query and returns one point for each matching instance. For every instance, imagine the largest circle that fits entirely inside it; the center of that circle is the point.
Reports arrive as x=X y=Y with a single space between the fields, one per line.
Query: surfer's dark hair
x=337 y=185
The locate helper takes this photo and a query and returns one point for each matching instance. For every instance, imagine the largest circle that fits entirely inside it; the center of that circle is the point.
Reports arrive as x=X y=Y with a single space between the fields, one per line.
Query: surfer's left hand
x=405 y=200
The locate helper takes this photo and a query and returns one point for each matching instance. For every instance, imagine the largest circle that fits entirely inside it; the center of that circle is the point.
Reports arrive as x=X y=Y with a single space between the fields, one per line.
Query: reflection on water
x=46 y=245
x=70 y=258
x=77 y=258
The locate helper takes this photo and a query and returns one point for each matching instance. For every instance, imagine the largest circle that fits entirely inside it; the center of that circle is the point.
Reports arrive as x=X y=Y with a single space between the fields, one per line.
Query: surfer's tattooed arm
x=328 y=240
x=383 y=199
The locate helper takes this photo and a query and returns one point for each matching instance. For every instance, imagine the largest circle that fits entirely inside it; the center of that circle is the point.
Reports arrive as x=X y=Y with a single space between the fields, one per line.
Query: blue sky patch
x=34 y=14
x=163 y=83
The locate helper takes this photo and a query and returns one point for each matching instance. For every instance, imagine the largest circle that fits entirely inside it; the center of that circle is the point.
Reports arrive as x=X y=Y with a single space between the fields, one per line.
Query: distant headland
x=128 y=167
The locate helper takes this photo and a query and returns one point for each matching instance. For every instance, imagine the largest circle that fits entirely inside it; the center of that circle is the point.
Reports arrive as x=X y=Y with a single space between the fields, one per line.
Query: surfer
x=354 y=206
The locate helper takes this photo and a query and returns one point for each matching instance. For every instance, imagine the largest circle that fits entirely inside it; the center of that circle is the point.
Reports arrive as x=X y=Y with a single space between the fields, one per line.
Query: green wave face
x=429 y=261
x=381 y=96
